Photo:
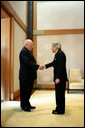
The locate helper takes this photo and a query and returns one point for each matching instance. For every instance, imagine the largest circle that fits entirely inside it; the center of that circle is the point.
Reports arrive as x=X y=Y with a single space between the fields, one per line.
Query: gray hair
x=57 y=45
x=26 y=42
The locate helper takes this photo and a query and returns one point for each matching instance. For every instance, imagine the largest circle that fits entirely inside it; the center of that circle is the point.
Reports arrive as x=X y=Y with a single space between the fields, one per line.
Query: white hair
x=57 y=45
x=26 y=41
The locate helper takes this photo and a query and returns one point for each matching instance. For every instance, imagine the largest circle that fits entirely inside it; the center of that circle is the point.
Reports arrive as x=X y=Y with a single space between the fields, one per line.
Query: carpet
x=13 y=116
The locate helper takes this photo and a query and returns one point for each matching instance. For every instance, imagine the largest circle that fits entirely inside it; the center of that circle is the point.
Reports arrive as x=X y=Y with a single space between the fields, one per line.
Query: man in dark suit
x=60 y=77
x=27 y=74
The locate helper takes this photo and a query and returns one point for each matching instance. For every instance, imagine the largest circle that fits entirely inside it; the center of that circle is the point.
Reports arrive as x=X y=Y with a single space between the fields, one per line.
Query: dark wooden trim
x=34 y=36
x=12 y=58
x=16 y=94
x=3 y=13
x=34 y=15
x=26 y=13
x=8 y=8
x=35 y=52
x=58 y=32
x=44 y=86
x=47 y=86
x=47 y=89
x=5 y=73
x=64 y=31
x=35 y=47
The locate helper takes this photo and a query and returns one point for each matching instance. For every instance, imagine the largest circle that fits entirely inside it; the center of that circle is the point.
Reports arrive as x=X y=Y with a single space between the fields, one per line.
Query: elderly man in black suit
x=60 y=77
x=27 y=74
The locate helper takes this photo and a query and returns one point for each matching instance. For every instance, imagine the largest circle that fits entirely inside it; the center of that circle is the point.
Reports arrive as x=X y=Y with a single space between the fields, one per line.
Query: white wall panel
x=72 y=45
x=60 y=15
x=20 y=8
x=19 y=38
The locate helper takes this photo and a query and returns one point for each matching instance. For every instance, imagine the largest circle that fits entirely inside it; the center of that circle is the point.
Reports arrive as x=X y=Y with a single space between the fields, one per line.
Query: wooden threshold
x=17 y=95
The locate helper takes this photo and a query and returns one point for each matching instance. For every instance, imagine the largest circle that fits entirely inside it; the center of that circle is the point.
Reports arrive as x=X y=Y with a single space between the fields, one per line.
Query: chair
x=75 y=81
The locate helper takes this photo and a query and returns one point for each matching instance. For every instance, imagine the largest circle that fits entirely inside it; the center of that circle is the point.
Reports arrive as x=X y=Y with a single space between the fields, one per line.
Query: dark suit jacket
x=28 y=66
x=59 y=65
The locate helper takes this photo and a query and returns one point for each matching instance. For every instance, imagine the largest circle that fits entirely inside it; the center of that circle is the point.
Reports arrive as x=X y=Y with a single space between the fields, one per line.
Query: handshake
x=41 y=67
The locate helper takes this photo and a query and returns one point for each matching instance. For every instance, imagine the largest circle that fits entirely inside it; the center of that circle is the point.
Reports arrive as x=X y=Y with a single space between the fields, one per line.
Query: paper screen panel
x=60 y=15
x=20 y=8
x=72 y=45
x=19 y=38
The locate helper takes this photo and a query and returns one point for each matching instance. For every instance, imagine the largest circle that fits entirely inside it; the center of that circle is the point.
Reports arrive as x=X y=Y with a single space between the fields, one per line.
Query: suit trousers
x=26 y=87
x=60 y=96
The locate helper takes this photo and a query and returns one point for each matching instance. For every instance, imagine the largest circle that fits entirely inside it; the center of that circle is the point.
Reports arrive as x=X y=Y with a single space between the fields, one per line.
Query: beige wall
x=20 y=8
x=19 y=38
x=52 y=15
x=60 y=14
x=72 y=45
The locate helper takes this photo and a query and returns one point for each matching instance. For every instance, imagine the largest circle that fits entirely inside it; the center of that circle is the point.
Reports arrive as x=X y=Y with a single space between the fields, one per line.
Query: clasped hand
x=41 y=67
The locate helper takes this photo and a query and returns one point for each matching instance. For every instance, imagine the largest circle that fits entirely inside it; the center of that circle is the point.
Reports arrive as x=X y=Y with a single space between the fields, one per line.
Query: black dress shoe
x=56 y=112
x=32 y=107
x=26 y=109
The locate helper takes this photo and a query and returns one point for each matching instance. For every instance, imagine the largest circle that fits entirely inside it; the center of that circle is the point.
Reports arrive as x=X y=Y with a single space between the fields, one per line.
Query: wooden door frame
x=10 y=89
x=13 y=17
x=5 y=75
x=11 y=58
x=35 y=36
